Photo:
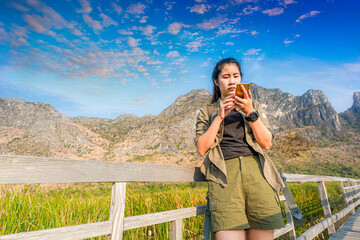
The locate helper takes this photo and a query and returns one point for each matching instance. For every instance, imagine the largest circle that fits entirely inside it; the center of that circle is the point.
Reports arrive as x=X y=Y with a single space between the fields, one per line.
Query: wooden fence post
x=346 y=195
x=176 y=229
x=117 y=210
x=289 y=220
x=326 y=205
x=350 y=194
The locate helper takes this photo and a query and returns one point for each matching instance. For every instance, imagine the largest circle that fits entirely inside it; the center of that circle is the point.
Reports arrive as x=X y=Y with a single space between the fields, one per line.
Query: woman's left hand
x=245 y=104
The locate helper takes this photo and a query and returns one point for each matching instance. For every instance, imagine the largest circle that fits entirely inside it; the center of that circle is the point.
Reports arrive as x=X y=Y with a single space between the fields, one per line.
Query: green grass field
x=35 y=207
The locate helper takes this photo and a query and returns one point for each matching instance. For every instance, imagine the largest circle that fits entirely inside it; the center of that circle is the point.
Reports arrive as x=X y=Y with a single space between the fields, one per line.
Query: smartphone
x=239 y=92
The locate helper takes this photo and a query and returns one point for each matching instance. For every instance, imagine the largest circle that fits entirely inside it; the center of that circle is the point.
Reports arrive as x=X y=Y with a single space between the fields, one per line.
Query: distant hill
x=308 y=123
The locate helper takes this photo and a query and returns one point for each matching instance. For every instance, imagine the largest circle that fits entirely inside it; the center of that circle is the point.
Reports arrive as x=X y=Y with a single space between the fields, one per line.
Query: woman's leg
x=259 y=234
x=230 y=234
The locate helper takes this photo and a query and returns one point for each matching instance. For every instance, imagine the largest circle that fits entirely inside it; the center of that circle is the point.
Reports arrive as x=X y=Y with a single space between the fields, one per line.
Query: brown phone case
x=239 y=93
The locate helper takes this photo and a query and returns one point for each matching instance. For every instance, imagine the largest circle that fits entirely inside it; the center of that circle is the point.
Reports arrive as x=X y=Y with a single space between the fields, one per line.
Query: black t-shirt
x=234 y=143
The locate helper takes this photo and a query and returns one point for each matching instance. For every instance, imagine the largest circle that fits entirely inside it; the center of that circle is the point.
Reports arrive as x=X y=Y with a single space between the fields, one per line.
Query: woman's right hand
x=226 y=106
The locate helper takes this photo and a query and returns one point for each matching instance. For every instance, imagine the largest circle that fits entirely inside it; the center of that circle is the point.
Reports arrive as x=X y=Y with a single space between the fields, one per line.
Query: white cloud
x=179 y=61
x=173 y=54
x=107 y=21
x=148 y=30
x=18 y=6
x=117 y=8
x=200 y=8
x=132 y=42
x=193 y=46
x=143 y=19
x=125 y=32
x=86 y=8
x=151 y=62
x=244 y=1
x=212 y=23
x=94 y=24
x=4 y=36
x=35 y=24
x=287 y=2
x=287 y=42
x=310 y=14
x=229 y=43
x=228 y=29
x=184 y=71
x=274 y=11
x=136 y=9
x=169 y=5
x=253 y=33
x=175 y=27
x=252 y=51
x=249 y=9
x=156 y=52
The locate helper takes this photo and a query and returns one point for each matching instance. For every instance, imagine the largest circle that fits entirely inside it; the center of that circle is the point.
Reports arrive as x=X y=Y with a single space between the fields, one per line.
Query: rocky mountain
x=39 y=129
x=352 y=115
x=286 y=111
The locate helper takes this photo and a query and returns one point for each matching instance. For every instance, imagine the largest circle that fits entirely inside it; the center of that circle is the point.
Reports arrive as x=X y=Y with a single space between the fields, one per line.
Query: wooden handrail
x=27 y=169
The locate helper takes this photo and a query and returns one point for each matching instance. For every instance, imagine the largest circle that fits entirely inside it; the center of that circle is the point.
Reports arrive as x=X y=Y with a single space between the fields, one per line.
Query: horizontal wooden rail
x=72 y=232
x=23 y=169
x=162 y=217
x=28 y=169
x=356 y=187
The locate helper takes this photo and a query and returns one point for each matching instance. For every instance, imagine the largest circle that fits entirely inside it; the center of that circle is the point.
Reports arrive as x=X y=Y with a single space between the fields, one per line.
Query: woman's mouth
x=231 y=88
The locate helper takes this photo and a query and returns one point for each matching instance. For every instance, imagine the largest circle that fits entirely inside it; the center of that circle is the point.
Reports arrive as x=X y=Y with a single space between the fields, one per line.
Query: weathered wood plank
x=326 y=205
x=117 y=210
x=64 y=233
x=290 y=221
x=282 y=231
x=355 y=187
x=350 y=229
x=176 y=228
x=161 y=217
x=290 y=177
x=23 y=169
x=28 y=169
x=349 y=196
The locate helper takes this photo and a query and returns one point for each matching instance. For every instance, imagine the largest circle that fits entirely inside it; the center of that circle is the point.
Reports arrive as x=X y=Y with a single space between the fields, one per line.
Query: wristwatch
x=252 y=116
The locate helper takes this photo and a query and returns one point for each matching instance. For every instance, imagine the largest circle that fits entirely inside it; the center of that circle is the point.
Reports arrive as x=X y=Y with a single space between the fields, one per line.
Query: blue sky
x=106 y=58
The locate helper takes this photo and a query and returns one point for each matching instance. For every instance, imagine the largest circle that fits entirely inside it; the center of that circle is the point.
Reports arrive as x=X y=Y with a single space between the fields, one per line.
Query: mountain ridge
x=39 y=129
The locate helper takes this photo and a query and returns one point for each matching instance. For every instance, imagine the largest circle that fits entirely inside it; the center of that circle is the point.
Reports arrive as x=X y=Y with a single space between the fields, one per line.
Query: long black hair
x=217 y=69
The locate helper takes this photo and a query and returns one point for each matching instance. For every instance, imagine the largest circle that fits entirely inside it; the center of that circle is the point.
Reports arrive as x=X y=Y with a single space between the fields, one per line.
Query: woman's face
x=227 y=79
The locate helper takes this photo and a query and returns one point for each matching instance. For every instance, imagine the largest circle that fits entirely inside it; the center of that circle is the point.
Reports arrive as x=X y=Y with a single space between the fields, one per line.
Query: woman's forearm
x=207 y=139
x=262 y=135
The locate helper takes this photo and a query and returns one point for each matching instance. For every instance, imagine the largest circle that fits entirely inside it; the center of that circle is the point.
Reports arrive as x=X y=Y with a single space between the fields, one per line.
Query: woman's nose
x=232 y=80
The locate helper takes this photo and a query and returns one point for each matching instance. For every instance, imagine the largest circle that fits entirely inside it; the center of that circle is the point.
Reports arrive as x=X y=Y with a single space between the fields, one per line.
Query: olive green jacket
x=214 y=167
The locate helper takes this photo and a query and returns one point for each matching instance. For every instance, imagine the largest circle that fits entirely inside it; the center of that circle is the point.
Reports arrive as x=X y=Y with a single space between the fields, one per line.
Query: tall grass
x=35 y=207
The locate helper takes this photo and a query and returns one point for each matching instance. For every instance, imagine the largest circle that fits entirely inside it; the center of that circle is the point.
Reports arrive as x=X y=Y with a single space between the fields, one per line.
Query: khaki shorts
x=248 y=201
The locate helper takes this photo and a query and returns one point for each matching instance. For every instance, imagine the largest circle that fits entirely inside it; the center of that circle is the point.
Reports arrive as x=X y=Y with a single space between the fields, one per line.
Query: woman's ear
x=216 y=82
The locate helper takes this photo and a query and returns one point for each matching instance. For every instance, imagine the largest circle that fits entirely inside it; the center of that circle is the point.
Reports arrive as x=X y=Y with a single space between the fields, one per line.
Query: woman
x=233 y=132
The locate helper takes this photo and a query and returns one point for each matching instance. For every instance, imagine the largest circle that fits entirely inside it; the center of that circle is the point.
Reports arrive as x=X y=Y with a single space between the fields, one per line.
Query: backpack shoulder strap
x=294 y=209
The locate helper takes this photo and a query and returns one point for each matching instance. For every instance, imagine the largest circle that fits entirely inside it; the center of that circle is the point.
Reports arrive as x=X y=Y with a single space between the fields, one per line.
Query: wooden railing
x=25 y=170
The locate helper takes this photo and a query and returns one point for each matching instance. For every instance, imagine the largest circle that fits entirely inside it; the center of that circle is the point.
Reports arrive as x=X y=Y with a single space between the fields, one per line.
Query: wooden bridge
x=26 y=170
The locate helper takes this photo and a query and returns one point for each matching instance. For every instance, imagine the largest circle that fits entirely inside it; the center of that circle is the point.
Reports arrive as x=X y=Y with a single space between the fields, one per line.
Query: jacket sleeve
x=202 y=123
x=263 y=116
